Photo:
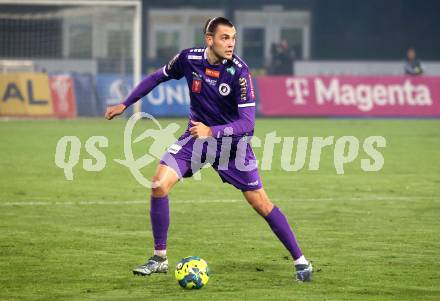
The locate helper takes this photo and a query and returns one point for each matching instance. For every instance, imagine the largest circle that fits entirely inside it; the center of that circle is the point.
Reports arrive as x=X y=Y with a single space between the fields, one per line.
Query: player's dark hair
x=212 y=24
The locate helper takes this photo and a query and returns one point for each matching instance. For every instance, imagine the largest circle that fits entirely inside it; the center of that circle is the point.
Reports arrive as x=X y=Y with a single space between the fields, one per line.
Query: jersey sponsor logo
x=231 y=70
x=194 y=57
x=224 y=89
x=251 y=85
x=210 y=81
x=196 y=85
x=172 y=62
x=212 y=73
x=243 y=88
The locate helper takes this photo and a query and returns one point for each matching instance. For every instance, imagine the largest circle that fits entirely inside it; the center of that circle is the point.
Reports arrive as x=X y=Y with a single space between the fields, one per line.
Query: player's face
x=223 y=42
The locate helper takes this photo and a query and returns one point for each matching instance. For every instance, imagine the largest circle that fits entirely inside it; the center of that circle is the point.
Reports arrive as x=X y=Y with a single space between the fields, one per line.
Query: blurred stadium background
x=371 y=235
x=93 y=51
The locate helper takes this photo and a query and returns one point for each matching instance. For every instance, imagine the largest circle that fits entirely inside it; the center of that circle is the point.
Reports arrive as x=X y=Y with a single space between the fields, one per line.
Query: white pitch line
x=82 y=203
x=145 y=202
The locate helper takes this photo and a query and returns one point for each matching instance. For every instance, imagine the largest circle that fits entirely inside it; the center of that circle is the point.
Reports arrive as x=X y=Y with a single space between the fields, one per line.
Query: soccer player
x=222 y=105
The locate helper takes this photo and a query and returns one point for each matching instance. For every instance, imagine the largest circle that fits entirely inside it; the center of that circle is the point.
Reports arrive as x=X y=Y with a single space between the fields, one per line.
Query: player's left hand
x=114 y=111
x=199 y=130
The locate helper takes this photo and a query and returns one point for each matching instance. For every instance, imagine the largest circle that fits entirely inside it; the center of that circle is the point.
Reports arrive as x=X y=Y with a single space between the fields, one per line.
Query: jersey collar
x=205 y=59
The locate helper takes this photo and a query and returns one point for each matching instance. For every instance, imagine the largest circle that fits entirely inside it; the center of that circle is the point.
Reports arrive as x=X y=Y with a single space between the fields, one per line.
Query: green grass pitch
x=370 y=235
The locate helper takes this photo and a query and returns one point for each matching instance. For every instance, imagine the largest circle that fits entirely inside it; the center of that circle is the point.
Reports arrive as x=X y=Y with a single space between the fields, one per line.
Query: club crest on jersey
x=224 y=89
x=212 y=73
x=196 y=86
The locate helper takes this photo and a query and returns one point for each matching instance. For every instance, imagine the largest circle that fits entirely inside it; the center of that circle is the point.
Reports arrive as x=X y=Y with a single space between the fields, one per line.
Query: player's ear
x=208 y=40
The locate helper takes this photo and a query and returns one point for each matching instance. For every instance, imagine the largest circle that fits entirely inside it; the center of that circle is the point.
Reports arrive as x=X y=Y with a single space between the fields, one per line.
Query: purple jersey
x=222 y=96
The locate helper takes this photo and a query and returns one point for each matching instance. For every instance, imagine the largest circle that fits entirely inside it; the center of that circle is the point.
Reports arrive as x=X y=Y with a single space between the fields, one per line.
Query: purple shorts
x=234 y=162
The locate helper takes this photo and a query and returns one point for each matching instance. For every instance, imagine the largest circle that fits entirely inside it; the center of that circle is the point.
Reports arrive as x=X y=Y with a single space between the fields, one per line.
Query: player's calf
x=259 y=200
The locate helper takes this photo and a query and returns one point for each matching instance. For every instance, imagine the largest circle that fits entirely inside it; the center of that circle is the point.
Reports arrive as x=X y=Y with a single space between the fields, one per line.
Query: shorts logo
x=253 y=183
x=224 y=89
x=174 y=149
x=212 y=73
x=196 y=86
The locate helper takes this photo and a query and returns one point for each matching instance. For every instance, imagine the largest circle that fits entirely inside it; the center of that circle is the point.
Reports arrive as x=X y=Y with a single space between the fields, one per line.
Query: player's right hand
x=114 y=111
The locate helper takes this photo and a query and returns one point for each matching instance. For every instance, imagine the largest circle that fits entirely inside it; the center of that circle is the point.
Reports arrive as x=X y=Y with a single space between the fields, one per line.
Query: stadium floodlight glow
x=137 y=24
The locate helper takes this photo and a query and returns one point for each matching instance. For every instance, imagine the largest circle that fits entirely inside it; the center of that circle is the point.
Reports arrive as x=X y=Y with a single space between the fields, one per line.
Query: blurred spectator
x=271 y=69
x=283 y=57
x=412 y=65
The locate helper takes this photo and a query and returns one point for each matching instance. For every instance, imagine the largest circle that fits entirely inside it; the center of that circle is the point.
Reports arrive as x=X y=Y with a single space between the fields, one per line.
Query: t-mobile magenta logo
x=298 y=89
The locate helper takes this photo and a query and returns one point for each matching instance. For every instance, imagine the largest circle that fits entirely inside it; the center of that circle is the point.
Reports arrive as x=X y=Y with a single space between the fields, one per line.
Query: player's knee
x=159 y=187
x=264 y=207
x=159 y=191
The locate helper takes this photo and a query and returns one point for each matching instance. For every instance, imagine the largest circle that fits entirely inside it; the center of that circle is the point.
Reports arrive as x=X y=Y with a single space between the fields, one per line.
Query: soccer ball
x=192 y=272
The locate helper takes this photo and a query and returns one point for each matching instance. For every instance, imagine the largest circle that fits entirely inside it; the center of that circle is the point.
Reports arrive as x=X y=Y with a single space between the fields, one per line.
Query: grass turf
x=371 y=235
